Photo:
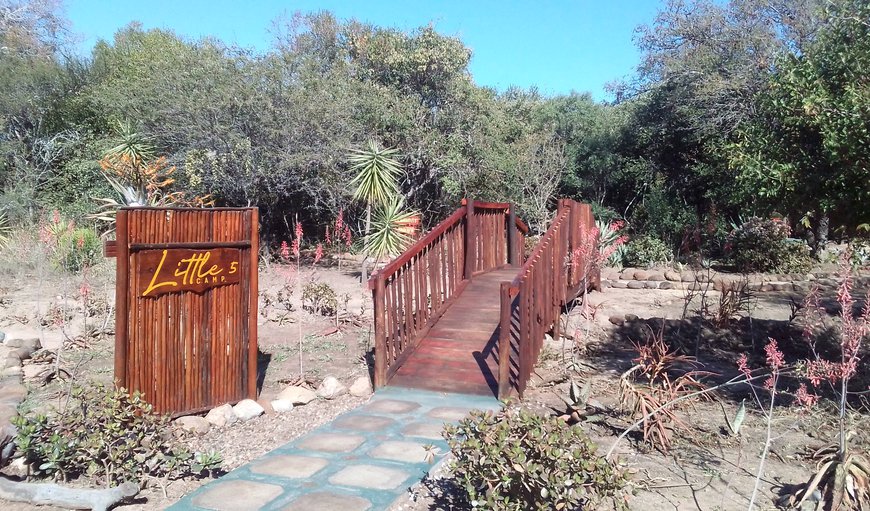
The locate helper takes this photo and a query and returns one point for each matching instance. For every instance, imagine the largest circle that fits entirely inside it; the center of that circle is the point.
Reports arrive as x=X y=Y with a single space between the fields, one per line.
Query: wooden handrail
x=536 y=252
x=418 y=246
x=531 y=303
x=413 y=291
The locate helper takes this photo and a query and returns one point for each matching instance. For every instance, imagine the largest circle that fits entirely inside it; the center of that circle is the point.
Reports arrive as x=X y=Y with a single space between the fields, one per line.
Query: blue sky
x=558 y=46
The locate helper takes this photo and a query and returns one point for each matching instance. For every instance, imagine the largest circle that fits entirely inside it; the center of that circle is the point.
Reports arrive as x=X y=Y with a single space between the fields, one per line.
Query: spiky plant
x=386 y=238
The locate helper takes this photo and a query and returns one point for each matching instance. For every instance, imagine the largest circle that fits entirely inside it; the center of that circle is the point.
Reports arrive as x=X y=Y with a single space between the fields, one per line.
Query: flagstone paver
x=236 y=495
x=289 y=466
x=408 y=452
x=364 y=460
x=326 y=501
x=331 y=442
x=370 y=476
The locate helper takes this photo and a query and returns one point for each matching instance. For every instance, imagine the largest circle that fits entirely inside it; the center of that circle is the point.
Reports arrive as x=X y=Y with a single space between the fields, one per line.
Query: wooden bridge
x=464 y=310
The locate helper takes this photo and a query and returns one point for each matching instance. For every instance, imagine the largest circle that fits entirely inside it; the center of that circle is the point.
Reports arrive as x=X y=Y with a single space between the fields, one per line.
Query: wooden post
x=122 y=276
x=254 y=233
x=504 y=342
x=470 y=240
x=512 y=236
x=380 y=332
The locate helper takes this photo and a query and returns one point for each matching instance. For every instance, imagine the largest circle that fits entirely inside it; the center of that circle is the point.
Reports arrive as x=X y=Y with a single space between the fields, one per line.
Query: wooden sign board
x=177 y=270
x=186 y=306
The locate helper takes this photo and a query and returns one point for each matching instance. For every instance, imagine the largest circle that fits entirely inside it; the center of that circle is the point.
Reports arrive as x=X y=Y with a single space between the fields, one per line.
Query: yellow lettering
x=154 y=285
x=234 y=267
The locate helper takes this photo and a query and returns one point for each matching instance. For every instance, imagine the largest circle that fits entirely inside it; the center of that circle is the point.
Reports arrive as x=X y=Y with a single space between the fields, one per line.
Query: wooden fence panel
x=186 y=313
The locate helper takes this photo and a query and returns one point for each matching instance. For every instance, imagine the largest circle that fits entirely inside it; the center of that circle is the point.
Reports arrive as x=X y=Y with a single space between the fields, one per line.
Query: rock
x=331 y=388
x=11 y=371
x=7 y=441
x=12 y=394
x=656 y=277
x=606 y=284
x=640 y=275
x=281 y=405
x=673 y=276
x=23 y=353
x=810 y=276
x=297 y=395
x=18 y=468
x=803 y=286
x=361 y=387
x=32 y=344
x=221 y=416
x=194 y=424
x=782 y=286
x=12 y=361
x=687 y=276
x=617 y=319
x=619 y=284
x=631 y=317
x=610 y=274
x=247 y=409
x=627 y=274
x=635 y=284
x=650 y=284
x=267 y=406
x=3 y=337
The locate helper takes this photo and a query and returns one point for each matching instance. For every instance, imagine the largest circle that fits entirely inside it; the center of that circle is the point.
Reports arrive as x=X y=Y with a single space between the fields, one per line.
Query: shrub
x=516 y=460
x=647 y=251
x=106 y=434
x=762 y=245
x=77 y=249
x=319 y=298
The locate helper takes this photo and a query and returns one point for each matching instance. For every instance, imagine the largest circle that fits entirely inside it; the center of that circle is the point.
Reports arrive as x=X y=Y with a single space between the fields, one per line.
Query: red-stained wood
x=452 y=315
x=193 y=346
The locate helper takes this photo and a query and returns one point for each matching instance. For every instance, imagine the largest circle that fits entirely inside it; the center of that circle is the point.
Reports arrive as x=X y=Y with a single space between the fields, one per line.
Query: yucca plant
x=377 y=171
x=386 y=238
x=5 y=229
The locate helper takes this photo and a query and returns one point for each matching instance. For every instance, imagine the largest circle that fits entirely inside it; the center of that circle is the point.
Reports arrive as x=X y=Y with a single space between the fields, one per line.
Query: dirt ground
x=706 y=468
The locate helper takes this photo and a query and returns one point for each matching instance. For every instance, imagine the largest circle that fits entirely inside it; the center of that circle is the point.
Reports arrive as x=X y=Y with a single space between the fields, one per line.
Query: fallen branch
x=68 y=498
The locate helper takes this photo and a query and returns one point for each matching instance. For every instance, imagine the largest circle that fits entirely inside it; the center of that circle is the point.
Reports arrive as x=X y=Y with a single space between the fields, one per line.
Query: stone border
x=635 y=278
x=12 y=389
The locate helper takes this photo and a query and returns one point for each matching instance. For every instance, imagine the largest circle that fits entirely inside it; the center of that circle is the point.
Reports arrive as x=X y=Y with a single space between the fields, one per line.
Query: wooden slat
x=187 y=351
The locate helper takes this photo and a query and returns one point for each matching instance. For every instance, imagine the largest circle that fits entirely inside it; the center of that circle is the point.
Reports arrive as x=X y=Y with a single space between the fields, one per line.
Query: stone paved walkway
x=364 y=460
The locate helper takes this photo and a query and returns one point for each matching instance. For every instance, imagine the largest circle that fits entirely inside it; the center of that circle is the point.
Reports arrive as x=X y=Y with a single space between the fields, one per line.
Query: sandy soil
x=707 y=468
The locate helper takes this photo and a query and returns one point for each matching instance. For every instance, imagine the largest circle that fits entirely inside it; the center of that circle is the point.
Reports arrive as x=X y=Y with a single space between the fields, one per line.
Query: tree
x=377 y=170
x=808 y=150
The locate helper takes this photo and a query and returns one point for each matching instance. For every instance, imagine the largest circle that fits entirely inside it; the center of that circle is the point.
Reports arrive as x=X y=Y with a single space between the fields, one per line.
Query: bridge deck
x=458 y=353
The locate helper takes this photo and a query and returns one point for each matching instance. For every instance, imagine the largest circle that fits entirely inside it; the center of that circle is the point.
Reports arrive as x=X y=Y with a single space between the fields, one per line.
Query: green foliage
x=78 y=249
x=108 y=435
x=386 y=238
x=762 y=245
x=647 y=251
x=319 y=298
x=376 y=172
x=516 y=460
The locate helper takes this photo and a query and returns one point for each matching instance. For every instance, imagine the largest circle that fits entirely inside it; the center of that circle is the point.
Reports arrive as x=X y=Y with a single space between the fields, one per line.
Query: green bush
x=109 y=435
x=319 y=298
x=77 y=249
x=647 y=251
x=762 y=245
x=516 y=460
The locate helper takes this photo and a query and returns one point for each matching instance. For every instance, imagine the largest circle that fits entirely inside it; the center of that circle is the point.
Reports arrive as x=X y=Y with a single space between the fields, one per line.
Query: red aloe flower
x=285 y=251
x=318 y=253
x=297 y=241
x=348 y=239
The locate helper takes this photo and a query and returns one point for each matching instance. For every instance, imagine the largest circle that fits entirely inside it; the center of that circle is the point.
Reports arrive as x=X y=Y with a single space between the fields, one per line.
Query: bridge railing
x=556 y=272
x=415 y=289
